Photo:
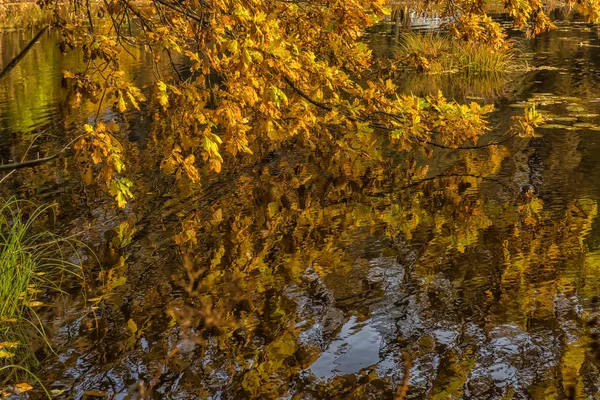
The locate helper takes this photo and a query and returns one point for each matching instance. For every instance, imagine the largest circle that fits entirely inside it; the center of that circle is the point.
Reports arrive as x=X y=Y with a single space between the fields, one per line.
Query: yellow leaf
x=23 y=387
x=121 y=106
x=133 y=100
x=233 y=46
x=6 y=354
x=88 y=128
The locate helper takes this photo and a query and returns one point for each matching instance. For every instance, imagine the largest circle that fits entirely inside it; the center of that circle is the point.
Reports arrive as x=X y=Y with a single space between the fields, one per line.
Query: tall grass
x=32 y=262
x=439 y=53
x=432 y=45
x=480 y=59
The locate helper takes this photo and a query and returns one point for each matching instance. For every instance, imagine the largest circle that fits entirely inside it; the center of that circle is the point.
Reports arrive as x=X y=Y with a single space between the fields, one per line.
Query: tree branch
x=397 y=118
x=306 y=96
x=180 y=10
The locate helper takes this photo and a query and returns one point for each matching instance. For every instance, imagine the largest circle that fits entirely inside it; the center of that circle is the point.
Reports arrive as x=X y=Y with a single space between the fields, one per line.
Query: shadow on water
x=321 y=274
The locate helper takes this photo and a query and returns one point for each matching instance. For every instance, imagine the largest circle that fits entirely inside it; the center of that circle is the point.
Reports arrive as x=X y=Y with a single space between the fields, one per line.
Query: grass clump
x=480 y=59
x=439 y=53
x=32 y=263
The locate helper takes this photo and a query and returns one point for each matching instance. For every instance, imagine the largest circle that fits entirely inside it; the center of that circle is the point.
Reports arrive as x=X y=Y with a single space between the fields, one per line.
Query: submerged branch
x=403 y=388
x=27 y=164
x=22 y=54
x=32 y=163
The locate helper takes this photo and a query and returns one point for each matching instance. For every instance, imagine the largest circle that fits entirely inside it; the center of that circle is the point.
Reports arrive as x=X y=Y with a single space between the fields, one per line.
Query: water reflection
x=314 y=273
x=357 y=347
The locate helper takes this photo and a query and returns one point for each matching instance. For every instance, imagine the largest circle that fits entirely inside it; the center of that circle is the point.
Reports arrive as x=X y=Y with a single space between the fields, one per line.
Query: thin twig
x=181 y=11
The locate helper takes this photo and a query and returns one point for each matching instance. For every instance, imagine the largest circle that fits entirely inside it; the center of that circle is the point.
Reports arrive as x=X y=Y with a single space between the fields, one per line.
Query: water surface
x=326 y=275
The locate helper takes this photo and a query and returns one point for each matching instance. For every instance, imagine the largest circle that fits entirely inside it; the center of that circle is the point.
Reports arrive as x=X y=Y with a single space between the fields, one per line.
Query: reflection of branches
x=441 y=176
x=474 y=147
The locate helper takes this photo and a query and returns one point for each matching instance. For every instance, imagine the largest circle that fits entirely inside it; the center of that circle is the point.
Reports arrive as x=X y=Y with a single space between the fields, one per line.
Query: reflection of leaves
x=125 y=234
x=450 y=383
x=132 y=326
x=120 y=189
x=570 y=367
x=243 y=250
x=258 y=380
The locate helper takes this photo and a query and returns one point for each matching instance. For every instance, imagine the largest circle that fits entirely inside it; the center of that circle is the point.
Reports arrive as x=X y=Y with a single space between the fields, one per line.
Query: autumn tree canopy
x=265 y=72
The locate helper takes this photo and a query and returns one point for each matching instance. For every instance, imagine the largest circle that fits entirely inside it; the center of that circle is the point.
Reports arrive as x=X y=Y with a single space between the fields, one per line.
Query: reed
x=439 y=53
x=480 y=59
x=32 y=262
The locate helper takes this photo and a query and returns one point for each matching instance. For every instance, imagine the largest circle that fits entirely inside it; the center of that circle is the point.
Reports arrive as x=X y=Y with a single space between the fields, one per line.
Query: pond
x=470 y=273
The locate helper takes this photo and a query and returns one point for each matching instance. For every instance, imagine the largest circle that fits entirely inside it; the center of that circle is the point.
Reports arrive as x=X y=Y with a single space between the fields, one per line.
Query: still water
x=323 y=275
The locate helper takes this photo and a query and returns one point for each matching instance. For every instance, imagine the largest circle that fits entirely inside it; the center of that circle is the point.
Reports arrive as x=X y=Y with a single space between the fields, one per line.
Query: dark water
x=320 y=274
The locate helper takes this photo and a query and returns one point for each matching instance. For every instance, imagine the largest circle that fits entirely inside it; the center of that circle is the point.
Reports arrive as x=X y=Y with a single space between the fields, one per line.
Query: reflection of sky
x=357 y=347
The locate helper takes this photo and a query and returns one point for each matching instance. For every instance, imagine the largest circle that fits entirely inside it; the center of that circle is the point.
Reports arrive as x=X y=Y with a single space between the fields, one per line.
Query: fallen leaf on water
x=584 y=115
x=584 y=125
x=563 y=119
x=553 y=126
